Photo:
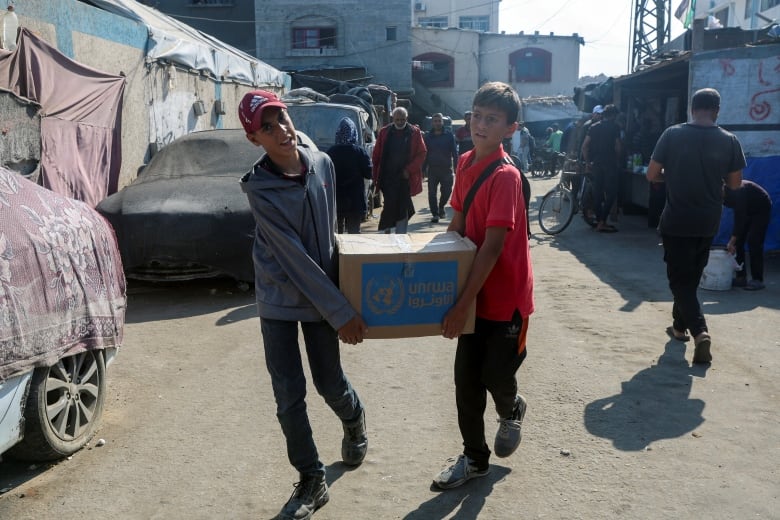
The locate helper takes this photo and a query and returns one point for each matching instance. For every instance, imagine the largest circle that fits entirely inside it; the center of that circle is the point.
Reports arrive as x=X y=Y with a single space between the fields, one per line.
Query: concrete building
x=745 y=14
x=369 y=39
x=462 y=14
x=450 y=64
x=230 y=21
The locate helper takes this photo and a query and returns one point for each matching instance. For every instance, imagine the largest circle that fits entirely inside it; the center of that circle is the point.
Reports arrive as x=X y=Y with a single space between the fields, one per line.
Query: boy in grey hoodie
x=291 y=192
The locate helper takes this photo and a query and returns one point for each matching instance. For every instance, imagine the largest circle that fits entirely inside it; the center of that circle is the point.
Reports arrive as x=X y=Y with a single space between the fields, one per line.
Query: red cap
x=250 y=110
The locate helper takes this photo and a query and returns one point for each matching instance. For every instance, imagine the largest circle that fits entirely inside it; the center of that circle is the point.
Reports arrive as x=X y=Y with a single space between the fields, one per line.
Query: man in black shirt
x=693 y=160
x=752 y=207
x=601 y=152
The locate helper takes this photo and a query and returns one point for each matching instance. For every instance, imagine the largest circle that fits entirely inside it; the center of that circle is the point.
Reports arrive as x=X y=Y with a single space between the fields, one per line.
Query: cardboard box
x=403 y=285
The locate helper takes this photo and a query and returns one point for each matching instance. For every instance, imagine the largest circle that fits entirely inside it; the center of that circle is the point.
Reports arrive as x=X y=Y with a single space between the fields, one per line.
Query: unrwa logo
x=384 y=294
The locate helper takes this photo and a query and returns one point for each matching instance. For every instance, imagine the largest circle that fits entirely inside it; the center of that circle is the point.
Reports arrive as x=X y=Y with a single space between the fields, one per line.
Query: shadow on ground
x=466 y=501
x=169 y=301
x=631 y=262
x=655 y=404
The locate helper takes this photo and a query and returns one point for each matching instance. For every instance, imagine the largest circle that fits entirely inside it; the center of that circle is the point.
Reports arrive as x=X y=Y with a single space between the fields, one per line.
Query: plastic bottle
x=9 y=26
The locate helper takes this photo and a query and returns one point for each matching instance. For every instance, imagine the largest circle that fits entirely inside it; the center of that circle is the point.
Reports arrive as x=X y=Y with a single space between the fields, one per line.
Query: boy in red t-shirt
x=501 y=282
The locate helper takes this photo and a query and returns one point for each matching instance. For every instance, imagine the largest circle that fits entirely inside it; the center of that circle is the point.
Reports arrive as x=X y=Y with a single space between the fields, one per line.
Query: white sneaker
x=458 y=473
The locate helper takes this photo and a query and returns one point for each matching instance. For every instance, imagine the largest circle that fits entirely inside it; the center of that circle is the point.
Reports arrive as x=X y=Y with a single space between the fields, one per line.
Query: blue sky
x=604 y=24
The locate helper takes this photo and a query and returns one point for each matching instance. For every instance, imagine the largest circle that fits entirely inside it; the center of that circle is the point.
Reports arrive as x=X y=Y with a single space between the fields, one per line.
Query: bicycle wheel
x=556 y=210
x=586 y=203
x=537 y=167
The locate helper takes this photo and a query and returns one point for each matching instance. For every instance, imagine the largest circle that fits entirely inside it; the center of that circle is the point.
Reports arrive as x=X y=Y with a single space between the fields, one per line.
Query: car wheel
x=64 y=406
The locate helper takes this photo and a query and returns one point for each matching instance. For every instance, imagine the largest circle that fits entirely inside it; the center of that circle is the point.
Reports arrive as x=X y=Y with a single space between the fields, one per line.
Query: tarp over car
x=62 y=288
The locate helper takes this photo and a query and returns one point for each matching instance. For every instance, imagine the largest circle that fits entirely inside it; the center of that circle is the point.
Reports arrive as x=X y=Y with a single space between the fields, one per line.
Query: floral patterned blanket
x=62 y=288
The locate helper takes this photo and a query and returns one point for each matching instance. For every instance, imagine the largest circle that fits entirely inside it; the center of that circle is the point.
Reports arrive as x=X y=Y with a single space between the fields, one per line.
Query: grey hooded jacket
x=294 y=252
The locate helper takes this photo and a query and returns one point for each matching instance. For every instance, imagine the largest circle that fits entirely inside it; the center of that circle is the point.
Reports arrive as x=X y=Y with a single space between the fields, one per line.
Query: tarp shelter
x=80 y=117
x=176 y=42
x=540 y=112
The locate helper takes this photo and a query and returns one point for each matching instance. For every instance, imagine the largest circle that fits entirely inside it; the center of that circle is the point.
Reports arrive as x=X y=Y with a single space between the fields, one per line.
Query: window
x=476 y=23
x=433 y=21
x=433 y=69
x=769 y=4
x=722 y=16
x=391 y=33
x=531 y=65
x=314 y=38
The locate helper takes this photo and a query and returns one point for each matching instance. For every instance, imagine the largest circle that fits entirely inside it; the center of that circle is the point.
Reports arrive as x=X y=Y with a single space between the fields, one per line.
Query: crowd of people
x=301 y=198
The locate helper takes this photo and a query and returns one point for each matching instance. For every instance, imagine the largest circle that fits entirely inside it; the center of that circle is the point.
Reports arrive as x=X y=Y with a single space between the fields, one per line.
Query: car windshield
x=320 y=122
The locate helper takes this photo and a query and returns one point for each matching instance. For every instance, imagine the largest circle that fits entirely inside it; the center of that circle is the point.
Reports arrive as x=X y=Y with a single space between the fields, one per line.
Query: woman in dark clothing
x=352 y=165
x=752 y=207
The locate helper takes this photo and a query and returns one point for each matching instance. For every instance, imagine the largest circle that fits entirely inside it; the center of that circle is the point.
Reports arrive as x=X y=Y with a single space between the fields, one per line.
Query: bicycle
x=572 y=194
x=547 y=163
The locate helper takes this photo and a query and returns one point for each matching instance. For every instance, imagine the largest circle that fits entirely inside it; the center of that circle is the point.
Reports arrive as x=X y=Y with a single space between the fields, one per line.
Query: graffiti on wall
x=755 y=80
x=768 y=78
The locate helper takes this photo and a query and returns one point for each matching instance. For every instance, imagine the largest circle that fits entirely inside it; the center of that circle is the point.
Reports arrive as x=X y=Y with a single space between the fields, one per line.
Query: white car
x=62 y=313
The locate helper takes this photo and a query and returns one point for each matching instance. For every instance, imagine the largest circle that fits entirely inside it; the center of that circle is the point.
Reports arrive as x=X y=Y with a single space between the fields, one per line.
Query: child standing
x=291 y=194
x=501 y=282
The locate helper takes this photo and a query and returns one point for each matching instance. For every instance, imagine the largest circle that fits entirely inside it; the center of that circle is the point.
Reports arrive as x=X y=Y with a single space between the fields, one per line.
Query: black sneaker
x=355 y=443
x=435 y=219
x=510 y=432
x=310 y=494
x=754 y=285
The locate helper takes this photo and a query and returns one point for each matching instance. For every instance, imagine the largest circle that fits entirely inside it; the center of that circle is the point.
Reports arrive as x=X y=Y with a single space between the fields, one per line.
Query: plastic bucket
x=719 y=271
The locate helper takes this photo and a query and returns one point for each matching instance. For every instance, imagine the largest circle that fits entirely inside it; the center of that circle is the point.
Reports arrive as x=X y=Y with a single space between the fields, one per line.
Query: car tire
x=64 y=406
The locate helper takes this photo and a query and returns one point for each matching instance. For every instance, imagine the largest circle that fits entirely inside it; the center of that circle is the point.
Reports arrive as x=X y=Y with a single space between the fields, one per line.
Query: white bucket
x=719 y=271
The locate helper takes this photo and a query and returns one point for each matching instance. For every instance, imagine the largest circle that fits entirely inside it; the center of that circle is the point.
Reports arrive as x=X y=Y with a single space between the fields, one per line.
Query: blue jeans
x=283 y=360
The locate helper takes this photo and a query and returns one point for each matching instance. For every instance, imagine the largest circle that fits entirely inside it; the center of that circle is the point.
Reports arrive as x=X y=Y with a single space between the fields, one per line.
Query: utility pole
x=650 y=29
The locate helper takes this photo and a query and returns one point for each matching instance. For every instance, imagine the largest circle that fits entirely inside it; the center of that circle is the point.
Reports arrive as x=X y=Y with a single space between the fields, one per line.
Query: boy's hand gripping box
x=403 y=285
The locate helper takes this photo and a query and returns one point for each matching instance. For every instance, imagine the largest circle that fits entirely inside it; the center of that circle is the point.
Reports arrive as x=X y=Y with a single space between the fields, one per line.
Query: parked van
x=320 y=120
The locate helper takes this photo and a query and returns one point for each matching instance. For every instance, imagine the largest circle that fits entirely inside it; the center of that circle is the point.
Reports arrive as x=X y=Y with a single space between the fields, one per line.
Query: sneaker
x=754 y=285
x=310 y=494
x=355 y=443
x=435 y=219
x=442 y=212
x=509 y=432
x=462 y=470
x=701 y=351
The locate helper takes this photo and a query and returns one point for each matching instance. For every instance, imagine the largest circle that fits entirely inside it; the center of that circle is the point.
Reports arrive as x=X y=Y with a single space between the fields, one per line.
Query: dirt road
x=619 y=425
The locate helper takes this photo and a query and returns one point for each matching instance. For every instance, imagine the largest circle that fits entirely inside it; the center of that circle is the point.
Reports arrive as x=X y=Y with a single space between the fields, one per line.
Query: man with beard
x=397 y=160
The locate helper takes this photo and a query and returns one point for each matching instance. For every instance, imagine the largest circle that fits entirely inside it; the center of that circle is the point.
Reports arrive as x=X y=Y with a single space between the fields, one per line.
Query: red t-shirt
x=498 y=203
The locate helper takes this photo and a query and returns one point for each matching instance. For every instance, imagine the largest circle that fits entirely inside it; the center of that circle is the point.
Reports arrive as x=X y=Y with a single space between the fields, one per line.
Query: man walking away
x=601 y=152
x=440 y=160
x=693 y=160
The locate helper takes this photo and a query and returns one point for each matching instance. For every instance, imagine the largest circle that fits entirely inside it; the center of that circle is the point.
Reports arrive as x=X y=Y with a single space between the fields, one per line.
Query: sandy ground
x=619 y=425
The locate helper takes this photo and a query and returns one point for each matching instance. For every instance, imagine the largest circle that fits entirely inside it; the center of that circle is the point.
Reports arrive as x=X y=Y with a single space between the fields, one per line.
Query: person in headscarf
x=353 y=166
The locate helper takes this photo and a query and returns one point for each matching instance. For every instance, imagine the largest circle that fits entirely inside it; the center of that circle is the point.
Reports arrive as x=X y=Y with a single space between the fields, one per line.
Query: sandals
x=679 y=336
x=701 y=353
x=606 y=228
